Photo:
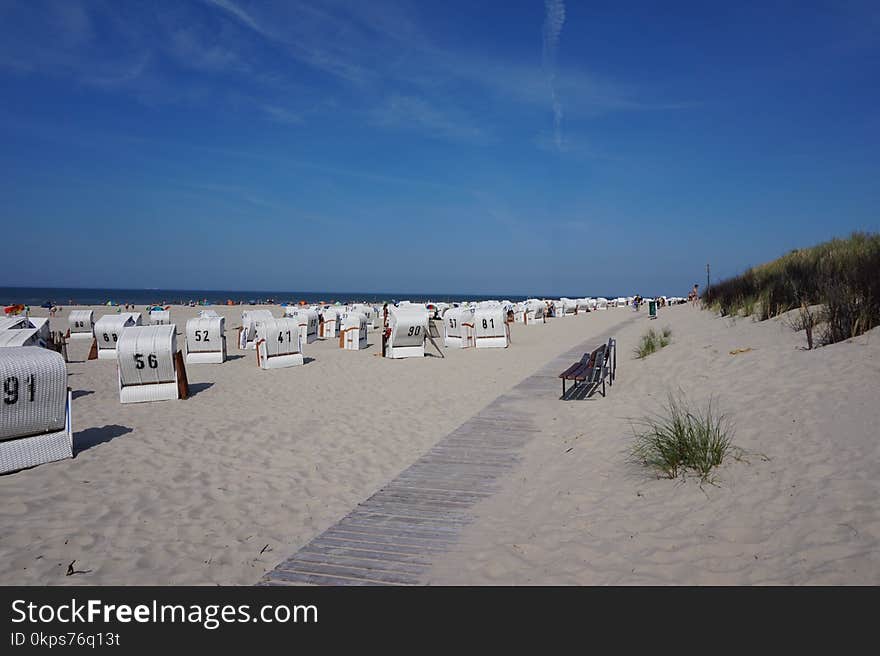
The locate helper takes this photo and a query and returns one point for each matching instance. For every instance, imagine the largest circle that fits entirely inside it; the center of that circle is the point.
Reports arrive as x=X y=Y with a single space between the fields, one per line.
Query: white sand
x=191 y=492
x=802 y=505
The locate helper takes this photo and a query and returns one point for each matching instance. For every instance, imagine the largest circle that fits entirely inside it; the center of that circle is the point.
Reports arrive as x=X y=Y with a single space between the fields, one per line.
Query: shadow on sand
x=86 y=439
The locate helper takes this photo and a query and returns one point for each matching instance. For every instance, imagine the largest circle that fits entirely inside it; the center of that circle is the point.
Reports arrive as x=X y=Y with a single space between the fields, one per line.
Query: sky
x=529 y=147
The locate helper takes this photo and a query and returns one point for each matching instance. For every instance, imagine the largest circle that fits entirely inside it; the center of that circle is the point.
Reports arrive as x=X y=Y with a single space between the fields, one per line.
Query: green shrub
x=682 y=439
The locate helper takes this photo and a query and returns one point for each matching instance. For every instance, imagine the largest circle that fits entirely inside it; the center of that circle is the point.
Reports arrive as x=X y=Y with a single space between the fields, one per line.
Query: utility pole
x=707 y=282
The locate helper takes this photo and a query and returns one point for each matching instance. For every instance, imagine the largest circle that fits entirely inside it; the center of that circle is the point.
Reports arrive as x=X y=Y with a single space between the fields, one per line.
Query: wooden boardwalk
x=392 y=537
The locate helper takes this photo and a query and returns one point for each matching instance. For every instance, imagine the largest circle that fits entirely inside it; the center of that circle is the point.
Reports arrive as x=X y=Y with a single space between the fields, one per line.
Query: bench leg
x=563 y=389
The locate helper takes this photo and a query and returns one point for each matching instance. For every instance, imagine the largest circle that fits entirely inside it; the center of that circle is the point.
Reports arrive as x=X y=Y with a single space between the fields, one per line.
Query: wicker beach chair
x=35 y=423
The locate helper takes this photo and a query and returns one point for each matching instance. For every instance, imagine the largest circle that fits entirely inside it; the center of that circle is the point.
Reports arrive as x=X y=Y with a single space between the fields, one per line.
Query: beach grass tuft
x=682 y=439
x=652 y=341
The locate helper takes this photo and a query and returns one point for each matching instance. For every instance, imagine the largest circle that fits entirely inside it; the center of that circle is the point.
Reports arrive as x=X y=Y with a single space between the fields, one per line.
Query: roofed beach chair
x=149 y=365
x=206 y=340
x=35 y=422
x=278 y=343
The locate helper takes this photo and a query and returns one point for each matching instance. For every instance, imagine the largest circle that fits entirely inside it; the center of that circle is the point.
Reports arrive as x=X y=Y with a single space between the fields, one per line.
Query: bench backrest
x=597 y=364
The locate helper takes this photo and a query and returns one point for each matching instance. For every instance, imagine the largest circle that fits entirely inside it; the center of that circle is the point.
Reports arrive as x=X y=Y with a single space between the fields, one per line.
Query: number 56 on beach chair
x=150 y=366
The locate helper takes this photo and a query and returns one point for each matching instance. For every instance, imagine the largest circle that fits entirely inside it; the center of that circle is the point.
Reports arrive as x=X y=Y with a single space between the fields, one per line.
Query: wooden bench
x=594 y=368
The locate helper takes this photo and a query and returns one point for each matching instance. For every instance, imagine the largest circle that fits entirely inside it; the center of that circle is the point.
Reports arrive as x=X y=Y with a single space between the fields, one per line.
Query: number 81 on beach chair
x=150 y=366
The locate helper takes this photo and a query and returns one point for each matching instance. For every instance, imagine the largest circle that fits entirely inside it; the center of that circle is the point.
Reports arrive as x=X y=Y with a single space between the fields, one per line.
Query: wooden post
x=707 y=282
x=384 y=328
x=182 y=382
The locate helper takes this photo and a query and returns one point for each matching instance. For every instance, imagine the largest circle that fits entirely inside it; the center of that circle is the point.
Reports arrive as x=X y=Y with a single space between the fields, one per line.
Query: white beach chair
x=408 y=327
x=307 y=320
x=458 y=327
x=82 y=324
x=248 y=333
x=490 y=327
x=149 y=365
x=329 y=323
x=160 y=317
x=534 y=312
x=15 y=323
x=42 y=326
x=206 y=340
x=108 y=330
x=21 y=337
x=353 y=331
x=35 y=422
x=278 y=343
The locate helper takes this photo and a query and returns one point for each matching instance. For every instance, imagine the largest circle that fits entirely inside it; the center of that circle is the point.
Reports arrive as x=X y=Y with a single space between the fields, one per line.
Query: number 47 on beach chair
x=591 y=371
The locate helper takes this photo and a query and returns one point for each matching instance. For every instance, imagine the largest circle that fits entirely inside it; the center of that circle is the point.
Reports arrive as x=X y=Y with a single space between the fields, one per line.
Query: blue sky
x=522 y=147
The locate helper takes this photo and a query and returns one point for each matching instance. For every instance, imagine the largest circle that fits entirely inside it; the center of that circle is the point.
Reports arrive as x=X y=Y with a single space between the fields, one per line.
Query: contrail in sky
x=554 y=19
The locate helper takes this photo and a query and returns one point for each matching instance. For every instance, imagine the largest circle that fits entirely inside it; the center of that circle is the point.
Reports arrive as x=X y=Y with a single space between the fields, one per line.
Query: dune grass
x=652 y=341
x=842 y=276
x=682 y=439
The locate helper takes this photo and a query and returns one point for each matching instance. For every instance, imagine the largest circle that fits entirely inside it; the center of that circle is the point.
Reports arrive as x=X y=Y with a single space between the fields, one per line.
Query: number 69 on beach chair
x=35 y=408
x=108 y=330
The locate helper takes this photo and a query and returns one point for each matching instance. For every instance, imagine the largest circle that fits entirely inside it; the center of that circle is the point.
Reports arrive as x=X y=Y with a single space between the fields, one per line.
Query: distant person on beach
x=694 y=296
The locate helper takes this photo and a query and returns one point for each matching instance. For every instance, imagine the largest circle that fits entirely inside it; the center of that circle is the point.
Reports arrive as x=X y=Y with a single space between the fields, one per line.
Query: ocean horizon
x=36 y=296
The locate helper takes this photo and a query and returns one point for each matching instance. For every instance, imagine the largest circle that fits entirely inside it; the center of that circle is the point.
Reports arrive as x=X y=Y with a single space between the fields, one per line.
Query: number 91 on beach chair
x=279 y=343
x=35 y=424
x=150 y=366
x=206 y=340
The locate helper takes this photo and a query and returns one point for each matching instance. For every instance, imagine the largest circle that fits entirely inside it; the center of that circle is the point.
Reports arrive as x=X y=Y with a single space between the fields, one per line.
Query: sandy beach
x=796 y=503
x=221 y=487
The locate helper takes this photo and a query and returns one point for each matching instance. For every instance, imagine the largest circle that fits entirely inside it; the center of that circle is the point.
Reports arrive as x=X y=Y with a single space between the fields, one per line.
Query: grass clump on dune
x=652 y=341
x=841 y=277
x=682 y=439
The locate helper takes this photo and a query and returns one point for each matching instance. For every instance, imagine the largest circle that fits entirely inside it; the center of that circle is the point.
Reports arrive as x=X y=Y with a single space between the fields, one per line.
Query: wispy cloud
x=375 y=62
x=554 y=19
x=413 y=113
x=239 y=14
x=282 y=115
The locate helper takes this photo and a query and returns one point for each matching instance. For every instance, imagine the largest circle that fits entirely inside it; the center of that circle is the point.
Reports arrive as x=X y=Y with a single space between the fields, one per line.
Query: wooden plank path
x=391 y=538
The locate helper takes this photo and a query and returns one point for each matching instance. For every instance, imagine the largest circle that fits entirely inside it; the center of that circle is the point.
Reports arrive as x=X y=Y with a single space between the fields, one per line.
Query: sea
x=37 y=296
